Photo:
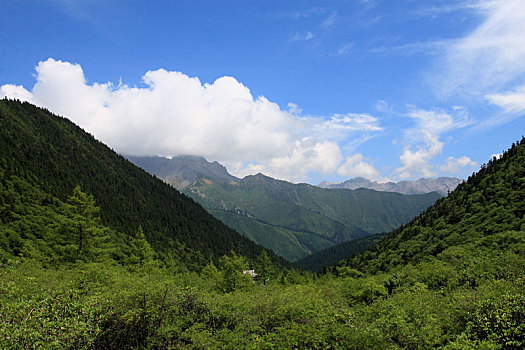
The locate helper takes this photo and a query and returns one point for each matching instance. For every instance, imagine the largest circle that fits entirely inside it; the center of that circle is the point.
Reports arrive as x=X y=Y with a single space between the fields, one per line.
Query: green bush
x=501 y=321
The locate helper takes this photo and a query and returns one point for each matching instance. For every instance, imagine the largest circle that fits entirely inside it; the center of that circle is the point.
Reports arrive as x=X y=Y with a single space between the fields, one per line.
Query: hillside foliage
x=452 y=278
x=491 y=201
x=296 y=220
x=321 y=260
x=54 y=156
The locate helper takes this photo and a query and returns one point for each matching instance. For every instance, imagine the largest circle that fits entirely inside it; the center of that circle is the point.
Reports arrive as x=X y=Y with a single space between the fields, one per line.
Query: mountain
x=53 y=155
x=487 y=210
x=295 y=220
x=442 y=185
x=452 y=278
x=181 y=171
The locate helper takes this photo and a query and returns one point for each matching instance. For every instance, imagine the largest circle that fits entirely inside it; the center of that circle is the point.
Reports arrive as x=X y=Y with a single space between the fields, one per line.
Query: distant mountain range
x=293 y=220
x=182 y=171
x=442 y=185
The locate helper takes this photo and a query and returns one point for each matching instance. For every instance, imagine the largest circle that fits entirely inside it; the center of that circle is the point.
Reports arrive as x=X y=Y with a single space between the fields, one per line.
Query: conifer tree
x=88 y=237
x=141 y=251
x=263 y=267
x=232 y=268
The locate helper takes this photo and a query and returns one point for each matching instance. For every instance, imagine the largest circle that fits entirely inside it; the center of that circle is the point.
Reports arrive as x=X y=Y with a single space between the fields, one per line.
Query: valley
x=293 y=220
x=97 y=253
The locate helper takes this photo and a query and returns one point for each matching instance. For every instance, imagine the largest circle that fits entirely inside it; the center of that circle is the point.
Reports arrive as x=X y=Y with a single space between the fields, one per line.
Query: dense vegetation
x=329 y=256
x=55 y=156
x=490 y=202
x=295 y=220
x=68 y=280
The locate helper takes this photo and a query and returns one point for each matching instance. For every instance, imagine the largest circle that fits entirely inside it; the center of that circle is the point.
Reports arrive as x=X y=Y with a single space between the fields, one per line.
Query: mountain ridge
x=57 y=155
x=442 y=185
x=315 y=217
x=294 y=220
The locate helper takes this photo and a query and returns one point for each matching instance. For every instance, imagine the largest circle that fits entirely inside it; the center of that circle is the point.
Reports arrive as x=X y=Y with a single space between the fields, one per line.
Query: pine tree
x=263 y=267
x=141 y=252
x=88 y=238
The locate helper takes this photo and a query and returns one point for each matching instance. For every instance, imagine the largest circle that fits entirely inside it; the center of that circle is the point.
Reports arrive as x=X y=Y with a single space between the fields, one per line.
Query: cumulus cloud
x=423 y=140
x=356 y=166
x=417 y=163
x=307 y=156
x=177 y=114
x=490 y=57
x=454 y=165
x=16 y=92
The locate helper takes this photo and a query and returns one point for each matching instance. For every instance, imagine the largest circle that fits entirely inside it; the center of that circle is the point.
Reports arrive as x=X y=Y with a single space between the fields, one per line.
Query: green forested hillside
x=452 y=278
x=327 y=257
x=307 y=218
x=54 y=156
x=490 y=202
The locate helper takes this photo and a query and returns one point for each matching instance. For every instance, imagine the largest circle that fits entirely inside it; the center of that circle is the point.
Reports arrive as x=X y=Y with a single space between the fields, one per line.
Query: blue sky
x=299 y=90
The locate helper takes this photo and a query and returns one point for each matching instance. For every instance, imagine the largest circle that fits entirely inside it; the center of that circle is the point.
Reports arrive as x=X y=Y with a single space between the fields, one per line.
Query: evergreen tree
x=212 y=276
x=263 y=267
x=88 y=239
x=141 y=252
x=232 y=276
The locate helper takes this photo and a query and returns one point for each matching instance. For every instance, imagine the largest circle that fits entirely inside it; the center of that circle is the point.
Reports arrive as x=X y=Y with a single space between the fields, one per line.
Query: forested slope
x=54 y=155
x=327 y=257
x=451 y=279
x=302 y=218
x=491 y=201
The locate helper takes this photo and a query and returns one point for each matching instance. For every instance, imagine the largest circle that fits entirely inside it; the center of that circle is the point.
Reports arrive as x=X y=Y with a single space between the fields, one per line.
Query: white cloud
x=176 y=114
x=490 y=57
x=308 y=155
x=330 y=20
x=417 y=163
x=453 y=166
x=439 y=121
x=345 y=49
x=455 y=5
x=297 y=15
x=429 y=48
x=15 y=92
x=356 y=166
x=429 y=125
x=352 y=122
x=511 y=101
x=496 y=155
